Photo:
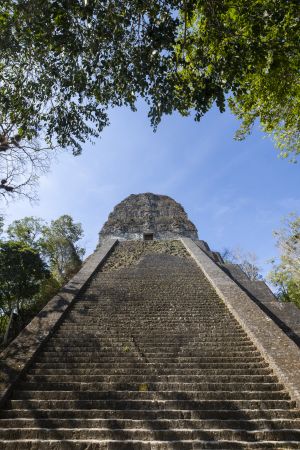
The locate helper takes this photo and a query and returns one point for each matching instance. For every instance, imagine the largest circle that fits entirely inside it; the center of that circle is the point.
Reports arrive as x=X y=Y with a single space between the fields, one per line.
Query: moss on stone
x=129 y=253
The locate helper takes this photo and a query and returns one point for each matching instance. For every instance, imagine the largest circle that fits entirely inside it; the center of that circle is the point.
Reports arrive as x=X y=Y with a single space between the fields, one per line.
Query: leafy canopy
x=64 y=63
x=21 y=272
x=28 y=230
x=57 y=243
x=35 y=260
x=60 y=245
x=248 y=52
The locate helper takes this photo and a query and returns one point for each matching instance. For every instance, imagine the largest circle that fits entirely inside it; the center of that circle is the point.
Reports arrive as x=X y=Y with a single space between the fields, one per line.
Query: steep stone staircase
x=150 y=358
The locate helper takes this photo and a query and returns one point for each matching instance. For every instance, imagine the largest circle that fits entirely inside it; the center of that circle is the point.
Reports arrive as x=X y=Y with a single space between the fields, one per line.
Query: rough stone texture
x=285 y=315
x=258 y=289
x=149 y=357
x=282 y=354
x=129 y=253
x=155 y=347
x=290 y=316
x=215 y=256
x=18 y=355
x=142 y=213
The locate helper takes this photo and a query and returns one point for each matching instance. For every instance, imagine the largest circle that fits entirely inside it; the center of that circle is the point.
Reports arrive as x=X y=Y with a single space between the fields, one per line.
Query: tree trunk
x=6 y=335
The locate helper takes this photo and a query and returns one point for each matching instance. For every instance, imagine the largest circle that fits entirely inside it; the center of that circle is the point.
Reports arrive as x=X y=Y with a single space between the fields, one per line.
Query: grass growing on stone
x=128 y=254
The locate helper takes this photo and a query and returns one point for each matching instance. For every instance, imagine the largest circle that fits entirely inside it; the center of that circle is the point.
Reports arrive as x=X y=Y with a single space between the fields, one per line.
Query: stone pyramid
x=155 y=344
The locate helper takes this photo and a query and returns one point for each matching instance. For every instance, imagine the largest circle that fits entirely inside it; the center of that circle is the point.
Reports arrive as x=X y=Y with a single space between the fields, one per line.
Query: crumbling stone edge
x=277 y=348
x=16 y=358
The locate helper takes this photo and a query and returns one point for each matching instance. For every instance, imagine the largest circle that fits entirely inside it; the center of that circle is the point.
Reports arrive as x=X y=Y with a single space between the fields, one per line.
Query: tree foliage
x=36 y=259
x=57 y=242
x=285 y=274
x=250 y=52
x=60 y=245
x=28 y=230
x=21 y=272
x=65 y=63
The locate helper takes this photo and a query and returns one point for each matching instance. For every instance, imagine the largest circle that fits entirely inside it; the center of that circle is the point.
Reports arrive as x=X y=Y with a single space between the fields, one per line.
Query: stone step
x=153 y=404
x=144 y=360
x=175 y=444
x=97 y=337
x=199 y=326
x=192 y=313
x=152 y=339
x=133 y=314
x=84 y=307
x=125 y=330
x=150 y=348
x=157 y=306
x=167 y=360
x=126 y=334
x=95 y=298
x=216 y=331
x=196 y=365
x=147 y=315
x=150 y=378
x=149 y=395
x=149 y=435
x=158 y=347
x=149 y=386
x=152 y=414
x=160 y=304
x=146 y=370
x=198 y=322
x=165 y=355
x=117 y=423
x=191 y=328
x=68 y=342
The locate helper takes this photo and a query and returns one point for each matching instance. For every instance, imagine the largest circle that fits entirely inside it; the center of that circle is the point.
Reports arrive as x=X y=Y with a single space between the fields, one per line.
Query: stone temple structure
x=148 y=216
x=157 y=344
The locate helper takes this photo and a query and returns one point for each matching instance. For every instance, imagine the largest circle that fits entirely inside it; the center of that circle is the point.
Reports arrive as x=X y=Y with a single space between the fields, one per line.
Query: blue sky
x=235 y=192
